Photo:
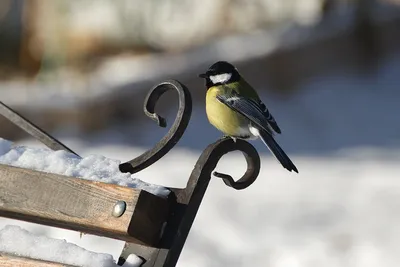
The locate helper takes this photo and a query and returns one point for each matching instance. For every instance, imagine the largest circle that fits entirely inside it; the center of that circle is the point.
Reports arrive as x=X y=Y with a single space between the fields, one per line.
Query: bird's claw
x=227 y=136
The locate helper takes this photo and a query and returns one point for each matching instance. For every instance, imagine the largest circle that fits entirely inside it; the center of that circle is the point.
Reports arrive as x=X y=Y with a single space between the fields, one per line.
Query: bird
x=235 y=109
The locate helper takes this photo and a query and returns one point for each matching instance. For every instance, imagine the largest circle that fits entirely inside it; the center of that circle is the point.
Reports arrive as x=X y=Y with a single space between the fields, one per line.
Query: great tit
x=234 y=108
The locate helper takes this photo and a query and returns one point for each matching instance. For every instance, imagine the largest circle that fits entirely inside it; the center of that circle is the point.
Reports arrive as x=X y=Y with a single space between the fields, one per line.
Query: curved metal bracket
x=189 y=199
x=252 y=159
x=175 y=132
x=214 y=152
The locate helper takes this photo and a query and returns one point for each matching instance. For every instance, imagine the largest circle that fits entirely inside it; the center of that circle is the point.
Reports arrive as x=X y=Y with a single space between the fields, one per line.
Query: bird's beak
x=203 y=75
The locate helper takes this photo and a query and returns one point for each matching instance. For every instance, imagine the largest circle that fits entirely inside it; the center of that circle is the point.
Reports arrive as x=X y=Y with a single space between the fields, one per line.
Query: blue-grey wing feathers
x=270 y=118
x=262 y=120
x=254 y=110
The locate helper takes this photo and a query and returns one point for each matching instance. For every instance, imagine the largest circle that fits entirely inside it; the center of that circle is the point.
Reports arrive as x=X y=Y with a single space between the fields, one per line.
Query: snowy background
x=341 y=129
x=342 y=209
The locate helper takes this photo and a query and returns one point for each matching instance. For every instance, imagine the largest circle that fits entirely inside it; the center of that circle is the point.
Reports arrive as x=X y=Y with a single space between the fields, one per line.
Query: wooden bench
x=153 y=228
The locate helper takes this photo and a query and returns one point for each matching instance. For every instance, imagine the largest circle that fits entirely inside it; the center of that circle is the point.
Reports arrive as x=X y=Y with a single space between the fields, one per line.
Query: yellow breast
x=222 y=117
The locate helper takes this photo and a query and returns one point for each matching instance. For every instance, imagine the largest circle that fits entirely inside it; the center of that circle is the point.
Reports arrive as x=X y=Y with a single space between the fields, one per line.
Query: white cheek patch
x=221 y=78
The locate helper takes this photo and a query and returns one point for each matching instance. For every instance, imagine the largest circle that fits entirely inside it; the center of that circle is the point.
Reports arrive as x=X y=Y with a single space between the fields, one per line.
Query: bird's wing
x=252 y=109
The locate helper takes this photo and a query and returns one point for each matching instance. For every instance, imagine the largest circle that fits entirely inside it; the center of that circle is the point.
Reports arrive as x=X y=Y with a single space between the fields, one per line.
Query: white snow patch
x=17 y=241
x=5 y=146
x=132 y=261
x=92 y=167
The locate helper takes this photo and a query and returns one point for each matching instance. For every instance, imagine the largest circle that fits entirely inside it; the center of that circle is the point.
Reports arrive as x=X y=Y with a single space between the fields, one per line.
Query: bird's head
x=219 y=73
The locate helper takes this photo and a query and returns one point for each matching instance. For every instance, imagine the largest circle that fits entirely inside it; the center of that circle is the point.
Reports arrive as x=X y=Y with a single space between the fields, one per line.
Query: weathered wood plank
x=81 y=205
x=7 y=260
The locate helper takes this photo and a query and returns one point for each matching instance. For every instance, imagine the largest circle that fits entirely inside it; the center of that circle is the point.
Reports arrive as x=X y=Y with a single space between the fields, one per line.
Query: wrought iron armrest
x=184 y=202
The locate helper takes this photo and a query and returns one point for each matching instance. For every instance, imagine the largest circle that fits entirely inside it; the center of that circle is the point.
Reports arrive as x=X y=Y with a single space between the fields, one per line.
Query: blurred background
x=329 y=71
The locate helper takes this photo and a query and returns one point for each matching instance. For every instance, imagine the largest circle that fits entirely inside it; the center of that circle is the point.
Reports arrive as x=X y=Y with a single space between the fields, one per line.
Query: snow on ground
x=93 y=167
x=340 y=210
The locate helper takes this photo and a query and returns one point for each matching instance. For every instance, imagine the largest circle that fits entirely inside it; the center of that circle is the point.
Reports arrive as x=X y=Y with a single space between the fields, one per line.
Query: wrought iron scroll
x=213 y=153
x=32 y=129
x=175 y=132
x=188 y=201
x=197 y=185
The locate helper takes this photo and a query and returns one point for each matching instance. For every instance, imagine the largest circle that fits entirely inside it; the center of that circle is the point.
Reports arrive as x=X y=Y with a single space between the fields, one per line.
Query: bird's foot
x=227 y=136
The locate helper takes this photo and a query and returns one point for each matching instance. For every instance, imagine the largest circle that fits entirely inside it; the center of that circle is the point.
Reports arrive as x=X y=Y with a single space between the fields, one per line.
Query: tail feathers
x=277 y=151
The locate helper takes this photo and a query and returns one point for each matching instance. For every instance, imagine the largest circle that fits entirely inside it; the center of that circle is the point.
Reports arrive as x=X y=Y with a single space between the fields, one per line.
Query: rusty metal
x=184 y=202
x=32 y=129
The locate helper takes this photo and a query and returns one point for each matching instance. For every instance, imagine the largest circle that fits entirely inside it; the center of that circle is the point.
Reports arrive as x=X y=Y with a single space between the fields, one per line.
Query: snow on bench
x=93 y=167
x=16 y=241
x=97 y=198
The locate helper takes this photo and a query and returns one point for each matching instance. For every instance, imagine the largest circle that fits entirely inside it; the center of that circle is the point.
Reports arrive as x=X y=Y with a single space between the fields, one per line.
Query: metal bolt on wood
x=119 y=208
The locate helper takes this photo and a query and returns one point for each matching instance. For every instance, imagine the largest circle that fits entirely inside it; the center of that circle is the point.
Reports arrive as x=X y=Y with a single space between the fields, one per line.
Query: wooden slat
x=80 y=205
x=7 y=260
